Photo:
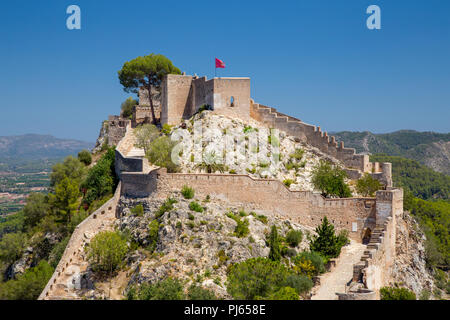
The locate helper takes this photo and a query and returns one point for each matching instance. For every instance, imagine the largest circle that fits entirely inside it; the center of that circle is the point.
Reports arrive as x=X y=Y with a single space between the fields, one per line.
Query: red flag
x=220 y=63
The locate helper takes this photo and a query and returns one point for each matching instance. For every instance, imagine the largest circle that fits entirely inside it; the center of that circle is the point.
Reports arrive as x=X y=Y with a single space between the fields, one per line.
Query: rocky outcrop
x=215 y=127
x=192 y=246
x=410 y=268
x=102 y=137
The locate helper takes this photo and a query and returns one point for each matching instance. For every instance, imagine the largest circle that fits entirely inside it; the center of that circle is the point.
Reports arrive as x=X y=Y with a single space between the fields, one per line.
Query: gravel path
x=335 y=281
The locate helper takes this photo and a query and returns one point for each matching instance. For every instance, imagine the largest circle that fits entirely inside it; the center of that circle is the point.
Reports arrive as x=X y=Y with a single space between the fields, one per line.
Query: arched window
x=232 y=101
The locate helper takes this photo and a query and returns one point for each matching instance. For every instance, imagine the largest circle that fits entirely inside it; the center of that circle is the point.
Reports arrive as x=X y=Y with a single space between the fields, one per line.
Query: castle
x=371 y=220
x=181 y=96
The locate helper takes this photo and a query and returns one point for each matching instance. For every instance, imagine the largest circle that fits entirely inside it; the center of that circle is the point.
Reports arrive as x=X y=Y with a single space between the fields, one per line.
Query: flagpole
x=215 y=69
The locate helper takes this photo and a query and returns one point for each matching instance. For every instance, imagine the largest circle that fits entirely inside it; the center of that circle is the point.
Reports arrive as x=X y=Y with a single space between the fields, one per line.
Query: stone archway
x=366 y=236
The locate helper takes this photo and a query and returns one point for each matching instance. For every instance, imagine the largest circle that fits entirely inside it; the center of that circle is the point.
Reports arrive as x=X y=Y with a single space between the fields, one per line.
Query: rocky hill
x=429 y=148
x=296 y=159
x=195 y=247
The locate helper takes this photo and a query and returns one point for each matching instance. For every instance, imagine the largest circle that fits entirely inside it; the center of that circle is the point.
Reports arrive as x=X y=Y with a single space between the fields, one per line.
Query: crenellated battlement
x=356 y=164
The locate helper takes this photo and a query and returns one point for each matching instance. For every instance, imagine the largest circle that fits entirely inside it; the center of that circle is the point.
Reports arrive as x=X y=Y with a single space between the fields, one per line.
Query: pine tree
x=326 y=242
x=274 y=244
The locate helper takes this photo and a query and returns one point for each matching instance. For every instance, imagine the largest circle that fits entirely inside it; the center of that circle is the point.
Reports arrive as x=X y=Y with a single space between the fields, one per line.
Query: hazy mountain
x=429 y=148
x=36 y=146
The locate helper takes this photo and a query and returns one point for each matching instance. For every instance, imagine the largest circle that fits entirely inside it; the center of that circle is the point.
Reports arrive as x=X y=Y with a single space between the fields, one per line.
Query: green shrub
x=247 y=129
x=187 y=192
x=342 y=238
x=166 y=129
x=294 y=237
x=297 y=154
x=101 y=179
x=390 y=293
x=262 y=218
x=256 y=277
x=28 y=285
x=167 y=289
x=301 y=283
x=198 y=293
x=153 y=231
x=195 y=206
x=316 y=259
x=285 y=293
x=138 y=210
x=85 y=157
x=367 y=185
x=165 y=207
x=160 y=151
x=288 y=182
x=11 y=247
x=127 y=107
x=241 y=229
x=106 y=251
x=329 y=179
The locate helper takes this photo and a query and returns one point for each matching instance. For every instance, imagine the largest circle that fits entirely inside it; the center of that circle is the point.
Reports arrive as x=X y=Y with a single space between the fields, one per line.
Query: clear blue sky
x=315 y=60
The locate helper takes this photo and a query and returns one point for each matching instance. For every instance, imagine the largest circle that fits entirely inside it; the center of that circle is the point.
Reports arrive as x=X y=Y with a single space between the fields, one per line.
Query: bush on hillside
x=390 y=293
x=367 y=185
x=294 y=237
x=85 y=157
x=106 y=251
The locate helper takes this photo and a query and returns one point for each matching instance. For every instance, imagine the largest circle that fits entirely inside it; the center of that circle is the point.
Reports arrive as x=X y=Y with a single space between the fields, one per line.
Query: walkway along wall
x=356 y=163
x=92 y=224
x=304 y=207
x=375 y=267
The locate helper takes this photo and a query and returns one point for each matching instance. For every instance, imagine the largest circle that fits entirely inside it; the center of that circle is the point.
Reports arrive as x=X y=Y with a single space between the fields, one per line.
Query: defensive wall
x=56 y=287
x=375 y=267
x=355 y=164
x=117 y=127
x=182 y=96
x=356 y=215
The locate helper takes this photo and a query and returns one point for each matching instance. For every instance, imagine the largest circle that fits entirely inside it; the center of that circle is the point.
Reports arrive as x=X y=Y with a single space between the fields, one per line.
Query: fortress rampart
x=375 y=267
x=356 y=164
x=94 y=223
x=308 y=208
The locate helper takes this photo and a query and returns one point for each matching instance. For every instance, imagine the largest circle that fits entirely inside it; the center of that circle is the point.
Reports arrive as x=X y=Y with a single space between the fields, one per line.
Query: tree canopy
x=329 y=179
x=147 y=71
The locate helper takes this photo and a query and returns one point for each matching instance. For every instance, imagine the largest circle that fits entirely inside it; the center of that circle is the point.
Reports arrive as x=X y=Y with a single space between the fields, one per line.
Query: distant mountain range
x=36 y=146
x=429 y=148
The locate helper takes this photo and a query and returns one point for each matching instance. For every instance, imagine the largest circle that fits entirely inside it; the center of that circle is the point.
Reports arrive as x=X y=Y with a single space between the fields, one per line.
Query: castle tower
x=183 y=95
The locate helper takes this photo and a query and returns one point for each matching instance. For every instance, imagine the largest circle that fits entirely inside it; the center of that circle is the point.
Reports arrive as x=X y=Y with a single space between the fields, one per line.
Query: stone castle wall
x=356 y=164
x=304 y=207
x=56 y=288
x=375 y=267
x=117 y=127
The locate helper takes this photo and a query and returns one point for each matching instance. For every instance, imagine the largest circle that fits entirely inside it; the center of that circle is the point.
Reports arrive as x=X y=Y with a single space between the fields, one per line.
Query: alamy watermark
x=73 y=22
x=227 y=146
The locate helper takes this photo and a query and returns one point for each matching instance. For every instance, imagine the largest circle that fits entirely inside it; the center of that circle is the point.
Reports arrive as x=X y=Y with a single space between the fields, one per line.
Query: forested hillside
x=427 y=198
x=429 y=148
